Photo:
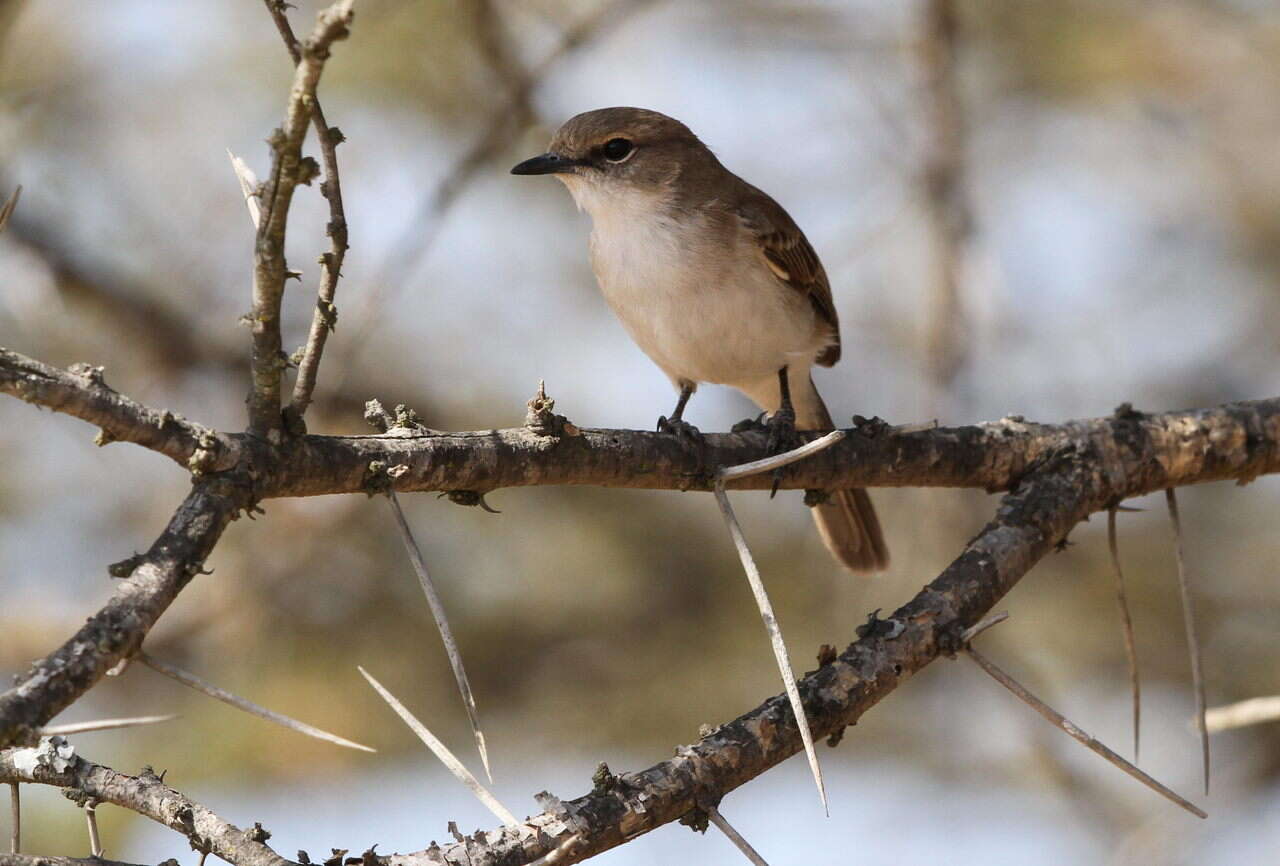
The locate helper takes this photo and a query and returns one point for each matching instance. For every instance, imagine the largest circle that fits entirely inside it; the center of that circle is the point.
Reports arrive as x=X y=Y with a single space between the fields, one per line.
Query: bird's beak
x=547 y=163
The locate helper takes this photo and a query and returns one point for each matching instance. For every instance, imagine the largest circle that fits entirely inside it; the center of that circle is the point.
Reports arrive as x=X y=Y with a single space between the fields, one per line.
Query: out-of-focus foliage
x=1125 y=182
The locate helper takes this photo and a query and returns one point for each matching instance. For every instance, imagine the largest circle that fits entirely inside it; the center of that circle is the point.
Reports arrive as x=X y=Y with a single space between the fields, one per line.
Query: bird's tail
x=847 y=520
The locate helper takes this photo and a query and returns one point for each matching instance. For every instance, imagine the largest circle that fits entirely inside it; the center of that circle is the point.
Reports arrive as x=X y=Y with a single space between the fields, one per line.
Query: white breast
x=701 y=304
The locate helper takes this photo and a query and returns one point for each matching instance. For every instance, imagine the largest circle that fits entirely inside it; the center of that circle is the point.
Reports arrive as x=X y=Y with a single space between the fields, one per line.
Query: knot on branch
x=875 y=627
x=377 y=417
x=205 y=457
x=52 y=754
x=380 y=478
x=257 y=833
x=126 y=566
x=542 y=421
x=94 y=375
x=603 y=780
x=308 y=170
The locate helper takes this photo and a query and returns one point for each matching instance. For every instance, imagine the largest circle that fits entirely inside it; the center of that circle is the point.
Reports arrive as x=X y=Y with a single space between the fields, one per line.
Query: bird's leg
x=675 y=424
x=782 y=423
x=782 y=427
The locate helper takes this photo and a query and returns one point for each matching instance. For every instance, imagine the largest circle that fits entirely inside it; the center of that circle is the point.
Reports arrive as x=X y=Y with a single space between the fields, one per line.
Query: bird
x=714 y=281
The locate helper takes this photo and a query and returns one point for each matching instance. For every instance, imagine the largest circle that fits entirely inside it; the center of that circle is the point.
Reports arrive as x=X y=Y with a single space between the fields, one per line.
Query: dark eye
x=617 y=149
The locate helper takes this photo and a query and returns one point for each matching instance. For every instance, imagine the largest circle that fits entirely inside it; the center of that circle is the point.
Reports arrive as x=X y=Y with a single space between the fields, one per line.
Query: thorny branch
x=1055 y=476
x=325 y=317
x=288 y=169
x=54 y=762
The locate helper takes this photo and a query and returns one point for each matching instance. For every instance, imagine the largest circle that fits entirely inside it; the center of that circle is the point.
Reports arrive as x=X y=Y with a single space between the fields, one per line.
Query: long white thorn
x=193 y=681
x=442 y=623
x=450 y=761
x=103 y=725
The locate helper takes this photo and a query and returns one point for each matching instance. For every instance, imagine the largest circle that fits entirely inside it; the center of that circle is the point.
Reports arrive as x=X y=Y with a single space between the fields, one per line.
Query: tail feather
x=847 y=521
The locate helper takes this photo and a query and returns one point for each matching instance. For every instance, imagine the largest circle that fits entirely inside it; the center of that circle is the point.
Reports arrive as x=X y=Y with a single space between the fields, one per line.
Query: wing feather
x=787 y=252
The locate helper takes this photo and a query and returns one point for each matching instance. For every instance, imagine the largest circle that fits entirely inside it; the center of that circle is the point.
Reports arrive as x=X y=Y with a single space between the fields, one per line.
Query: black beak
x=547 y=163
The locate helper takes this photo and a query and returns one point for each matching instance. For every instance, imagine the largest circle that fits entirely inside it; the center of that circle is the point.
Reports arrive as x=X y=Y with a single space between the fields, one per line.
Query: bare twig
x=451 y=763
x=755 y=467
x=1126 y=625
x=54 y=762
x=1254 y=711
x=326 y=315
x=1193 y=643
x=442 y=623
x=288 y=169
x=775 y=639
x=734 y=836
x=193 y=681
x=7 y=210
x=15 y=818
x=91 y=816
x=1076 y=733
x=103 y=725
x=982 y=625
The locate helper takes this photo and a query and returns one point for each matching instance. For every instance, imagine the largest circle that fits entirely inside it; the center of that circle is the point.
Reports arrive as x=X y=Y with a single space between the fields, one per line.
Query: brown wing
x=788 y=254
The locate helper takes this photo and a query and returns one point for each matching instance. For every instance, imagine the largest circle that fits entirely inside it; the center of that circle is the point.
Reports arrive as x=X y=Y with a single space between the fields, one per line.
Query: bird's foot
x=782 y=438
x=682 y=430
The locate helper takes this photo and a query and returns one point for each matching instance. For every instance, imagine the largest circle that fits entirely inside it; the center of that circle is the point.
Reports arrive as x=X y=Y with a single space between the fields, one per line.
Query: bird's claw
x=682 y=430
x=750 y=425
x=782 y=438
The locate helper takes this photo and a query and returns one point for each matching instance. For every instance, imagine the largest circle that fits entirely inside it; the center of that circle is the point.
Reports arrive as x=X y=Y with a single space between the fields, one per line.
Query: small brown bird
x=713 y=280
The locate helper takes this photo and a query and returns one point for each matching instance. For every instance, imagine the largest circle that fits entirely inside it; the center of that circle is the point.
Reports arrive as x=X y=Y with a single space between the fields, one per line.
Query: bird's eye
x=617 y=149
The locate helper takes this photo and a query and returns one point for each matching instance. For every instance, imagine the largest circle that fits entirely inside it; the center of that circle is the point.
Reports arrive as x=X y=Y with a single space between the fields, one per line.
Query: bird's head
x=615 y=152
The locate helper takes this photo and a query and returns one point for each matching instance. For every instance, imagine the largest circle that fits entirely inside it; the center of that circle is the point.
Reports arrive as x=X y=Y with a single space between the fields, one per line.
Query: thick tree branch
x=151 y=582
x=53 y=762
x=1150 y=451
x=288 y=169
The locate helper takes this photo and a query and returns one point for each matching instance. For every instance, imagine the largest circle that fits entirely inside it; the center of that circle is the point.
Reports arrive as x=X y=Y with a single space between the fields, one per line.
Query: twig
x=734 y=836
x=1126 y=624
x=248 y=186
x=442 y=623
x=1193 y=643
x=55 y=763
x=103 y=725
x=287 y=171
x=325 y=316
x=91 y=815
x=451 y=763
x=982 y=625
x=15 y=818
x=7 y=210
x=193 y=681
x=1254 y=711
x=755 y=467
x=1076 y=733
